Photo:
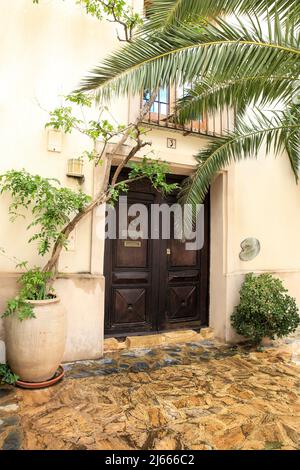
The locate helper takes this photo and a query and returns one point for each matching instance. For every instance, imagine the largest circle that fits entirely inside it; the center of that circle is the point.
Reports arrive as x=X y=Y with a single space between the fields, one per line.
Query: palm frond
x=245 y=142
x=291 y=137
x=168 y=13
x=209 y=95
x=187 y=52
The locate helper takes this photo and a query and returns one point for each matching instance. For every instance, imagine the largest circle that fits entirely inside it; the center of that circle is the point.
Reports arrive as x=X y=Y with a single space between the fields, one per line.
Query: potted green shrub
x=35 y=328
x=265 y=309
x=35 y=320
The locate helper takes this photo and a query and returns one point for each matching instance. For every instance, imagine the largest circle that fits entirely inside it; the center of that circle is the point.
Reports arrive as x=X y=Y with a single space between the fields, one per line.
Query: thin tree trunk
x=102 y=196
x=69 y=228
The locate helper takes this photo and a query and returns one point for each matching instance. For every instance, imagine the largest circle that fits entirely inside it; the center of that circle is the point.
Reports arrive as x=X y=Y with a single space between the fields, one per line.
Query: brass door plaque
x=132 y=244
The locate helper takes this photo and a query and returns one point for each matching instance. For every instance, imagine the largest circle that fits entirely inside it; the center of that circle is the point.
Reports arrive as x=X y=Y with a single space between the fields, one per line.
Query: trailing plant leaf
x=51 y=205
x=34 y=285
x=62 y=119
x=7 y=376
x=117 y=11
x=19 y=306
x=155 y=171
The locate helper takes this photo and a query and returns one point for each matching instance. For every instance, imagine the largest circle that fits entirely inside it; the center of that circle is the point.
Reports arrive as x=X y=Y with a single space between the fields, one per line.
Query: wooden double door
x=155 y=285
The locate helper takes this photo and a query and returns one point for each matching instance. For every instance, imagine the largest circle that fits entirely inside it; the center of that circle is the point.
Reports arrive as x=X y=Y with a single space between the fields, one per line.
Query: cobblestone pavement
x=198 y=395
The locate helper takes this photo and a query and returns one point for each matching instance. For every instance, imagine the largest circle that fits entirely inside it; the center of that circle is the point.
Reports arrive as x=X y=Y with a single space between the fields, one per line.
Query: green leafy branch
x=115 y=11
x=34 y=285
x=63 y=119
x=7 y=376
x=153 y=170
x=51 y=205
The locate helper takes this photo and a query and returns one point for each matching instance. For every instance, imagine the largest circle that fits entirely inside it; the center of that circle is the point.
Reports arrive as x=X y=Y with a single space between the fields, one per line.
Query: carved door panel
x=130 y=288
x=183 y=296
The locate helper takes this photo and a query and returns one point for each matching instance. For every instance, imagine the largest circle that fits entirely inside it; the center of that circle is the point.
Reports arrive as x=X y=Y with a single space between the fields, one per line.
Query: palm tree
x=253 y=58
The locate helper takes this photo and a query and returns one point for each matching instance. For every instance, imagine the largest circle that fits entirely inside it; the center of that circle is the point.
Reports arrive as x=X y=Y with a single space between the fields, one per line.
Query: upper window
x=163 y=113
x=160 y=110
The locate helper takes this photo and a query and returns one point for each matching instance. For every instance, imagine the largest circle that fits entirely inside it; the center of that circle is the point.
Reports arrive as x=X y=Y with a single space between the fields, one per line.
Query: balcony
x=163 y=114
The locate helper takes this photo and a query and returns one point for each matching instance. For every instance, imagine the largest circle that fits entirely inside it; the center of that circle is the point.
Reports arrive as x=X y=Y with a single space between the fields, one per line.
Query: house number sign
x=171 y=143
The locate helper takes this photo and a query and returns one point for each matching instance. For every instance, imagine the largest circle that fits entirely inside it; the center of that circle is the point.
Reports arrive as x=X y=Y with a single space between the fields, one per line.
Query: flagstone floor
x=199 y=395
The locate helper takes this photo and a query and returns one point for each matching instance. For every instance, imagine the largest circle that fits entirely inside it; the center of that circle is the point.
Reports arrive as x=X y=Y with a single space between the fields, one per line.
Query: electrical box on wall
x=54 y=141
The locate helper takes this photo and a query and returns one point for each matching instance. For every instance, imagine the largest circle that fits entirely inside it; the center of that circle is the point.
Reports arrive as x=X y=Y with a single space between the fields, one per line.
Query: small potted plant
x=35 y=328
x=265 y=309
x=7 y=376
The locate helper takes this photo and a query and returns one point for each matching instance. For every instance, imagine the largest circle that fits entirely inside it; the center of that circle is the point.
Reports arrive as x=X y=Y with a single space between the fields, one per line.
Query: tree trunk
x=102 y=195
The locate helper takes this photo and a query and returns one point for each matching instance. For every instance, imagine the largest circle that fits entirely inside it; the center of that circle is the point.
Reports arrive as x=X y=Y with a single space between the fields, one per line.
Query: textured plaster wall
x=45 y=51
x=261 y=200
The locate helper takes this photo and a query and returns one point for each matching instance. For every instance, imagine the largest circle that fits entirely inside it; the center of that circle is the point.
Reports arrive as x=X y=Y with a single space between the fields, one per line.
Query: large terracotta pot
x=35 y=346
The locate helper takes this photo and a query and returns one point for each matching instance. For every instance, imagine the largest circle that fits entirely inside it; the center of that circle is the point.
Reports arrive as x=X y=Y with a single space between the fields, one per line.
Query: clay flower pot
x=35 y=346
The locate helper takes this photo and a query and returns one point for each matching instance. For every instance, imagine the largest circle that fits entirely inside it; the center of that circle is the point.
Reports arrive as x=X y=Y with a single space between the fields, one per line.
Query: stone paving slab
x=138 y=360
x=199 y=395
x=10 y=428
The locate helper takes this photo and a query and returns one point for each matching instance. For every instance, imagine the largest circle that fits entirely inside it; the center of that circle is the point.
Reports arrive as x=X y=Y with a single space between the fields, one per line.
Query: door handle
x=168 y=251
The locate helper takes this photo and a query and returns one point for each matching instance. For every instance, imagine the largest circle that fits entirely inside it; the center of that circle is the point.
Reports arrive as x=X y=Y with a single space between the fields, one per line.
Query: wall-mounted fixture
x=171 y=143
x=75 y=169
x=250 y=249
x=54 y=143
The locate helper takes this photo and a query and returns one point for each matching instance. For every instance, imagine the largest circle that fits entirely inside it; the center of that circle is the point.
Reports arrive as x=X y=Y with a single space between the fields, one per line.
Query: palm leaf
x=281 y=131
x=168 y=13
x=209 y=95
x=188 y=52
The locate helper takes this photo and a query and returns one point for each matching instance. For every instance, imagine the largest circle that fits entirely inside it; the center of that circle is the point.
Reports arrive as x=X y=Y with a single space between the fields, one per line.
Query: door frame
x=204 y=290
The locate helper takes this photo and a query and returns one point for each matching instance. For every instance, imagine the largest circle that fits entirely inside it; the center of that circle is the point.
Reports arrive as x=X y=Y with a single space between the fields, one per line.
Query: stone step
x=112 y=344
x=172 y=337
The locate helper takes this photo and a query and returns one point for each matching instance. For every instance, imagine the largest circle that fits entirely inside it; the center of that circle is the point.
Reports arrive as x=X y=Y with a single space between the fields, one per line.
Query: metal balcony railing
x=163 y=114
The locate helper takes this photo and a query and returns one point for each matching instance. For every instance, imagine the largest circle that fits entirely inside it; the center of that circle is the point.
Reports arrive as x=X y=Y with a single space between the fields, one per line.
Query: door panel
x=155 y=285
x=132 y=254
x=130 y=305
x=182 y=303
x=179 y=256
x=183 y=297
x=130 y=293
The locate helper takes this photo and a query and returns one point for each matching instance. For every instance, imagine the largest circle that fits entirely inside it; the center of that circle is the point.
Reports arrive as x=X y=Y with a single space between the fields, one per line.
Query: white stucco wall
x=46 y=50
x=260 y=199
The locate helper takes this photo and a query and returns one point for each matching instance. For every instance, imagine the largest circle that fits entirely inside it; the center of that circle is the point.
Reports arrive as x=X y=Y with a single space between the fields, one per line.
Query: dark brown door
x=155 y=285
